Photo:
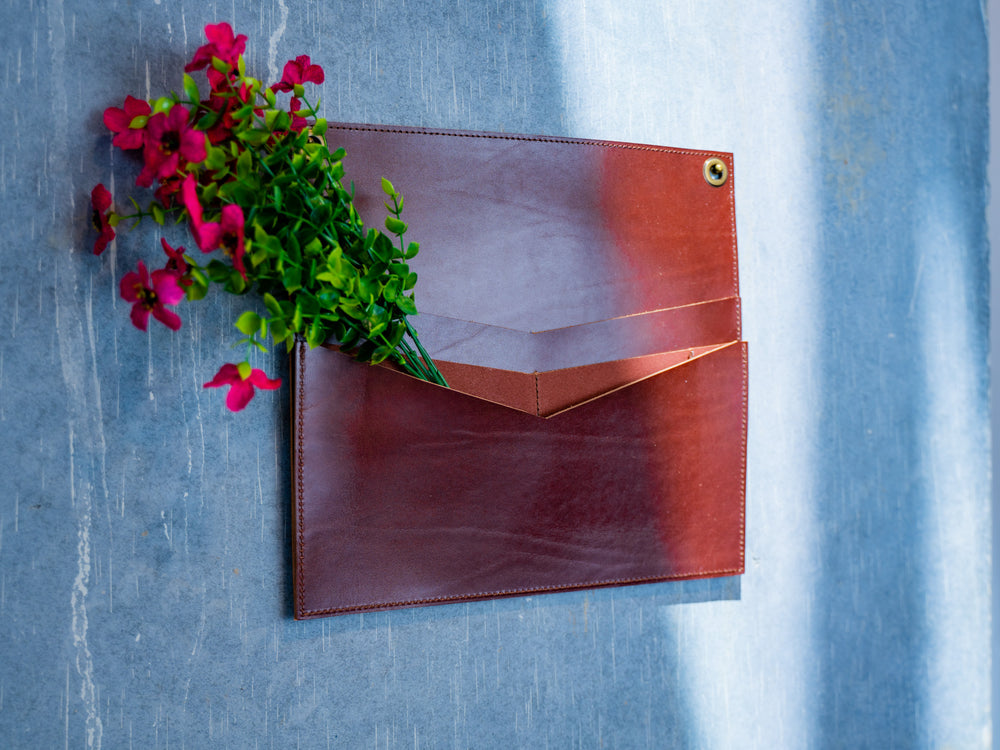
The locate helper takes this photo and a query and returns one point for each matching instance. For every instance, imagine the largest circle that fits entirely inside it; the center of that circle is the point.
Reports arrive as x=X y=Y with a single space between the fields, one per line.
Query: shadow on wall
x=902 y=500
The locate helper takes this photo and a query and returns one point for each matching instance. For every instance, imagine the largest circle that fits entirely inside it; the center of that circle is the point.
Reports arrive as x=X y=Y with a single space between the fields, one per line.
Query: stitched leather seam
x=732 y=223
x=520 y=592
x=300 y=461
x=743 y=457
x=515 y=137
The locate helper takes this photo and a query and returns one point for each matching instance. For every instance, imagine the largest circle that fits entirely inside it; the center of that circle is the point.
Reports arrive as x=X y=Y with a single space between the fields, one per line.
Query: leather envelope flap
x=539 y=233
x=547 y=372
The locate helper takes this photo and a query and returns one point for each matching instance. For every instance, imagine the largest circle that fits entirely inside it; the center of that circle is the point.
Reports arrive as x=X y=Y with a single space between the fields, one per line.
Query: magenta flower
x=222 y=44
x=170 y=139
x=299 y=71
x=100 y=200
x=176 y=264
x=150 y=295
x=298 y=123
x=241 y=380
x=119 y=122
x=227 y=233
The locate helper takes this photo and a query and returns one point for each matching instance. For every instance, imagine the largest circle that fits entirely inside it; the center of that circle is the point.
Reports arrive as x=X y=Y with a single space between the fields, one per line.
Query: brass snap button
x=716 y=172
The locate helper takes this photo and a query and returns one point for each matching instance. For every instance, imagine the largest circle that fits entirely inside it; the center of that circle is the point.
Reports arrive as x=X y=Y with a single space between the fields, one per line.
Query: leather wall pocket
x=581 y=298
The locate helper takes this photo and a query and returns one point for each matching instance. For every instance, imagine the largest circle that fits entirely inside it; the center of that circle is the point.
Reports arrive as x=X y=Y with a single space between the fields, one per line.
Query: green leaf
x=322 y=214
x=158 y=214
x=382 y=248
x=387 y=187
x=221 y=66
x=395 y=225
x=139 y=121
x=293 y=247
x=315 y=335
x=254 y=137
x=259 y=255
x=279 y=331
x=292 y=279
x=352 y=308
x=392 y=289
x=319 y=127
x=272 y=305
x=218 y=271
x=410 y=281
x=411 y=250
x=235 y=283
x=197 y=290
x=407 y=305
x=276 y=119
x=272 y=100
x=209 y=192
x=191 y=89
x=216 y=158
x=207 y=121
x=350 y=337
x=248 y=322
x=244 y=164
x=396 y=332
x=164 y=104
x=381 y=354
x=198 y=276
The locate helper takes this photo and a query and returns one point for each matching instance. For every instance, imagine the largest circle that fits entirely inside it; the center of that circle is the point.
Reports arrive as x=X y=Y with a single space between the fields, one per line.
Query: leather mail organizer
x=582 y=300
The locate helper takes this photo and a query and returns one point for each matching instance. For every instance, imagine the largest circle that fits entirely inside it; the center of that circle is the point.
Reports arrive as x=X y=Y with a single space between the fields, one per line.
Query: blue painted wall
x=144 y=540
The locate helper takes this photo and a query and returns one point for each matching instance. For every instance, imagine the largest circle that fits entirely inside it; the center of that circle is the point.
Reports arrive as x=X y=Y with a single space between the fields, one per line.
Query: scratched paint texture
x=144 y=531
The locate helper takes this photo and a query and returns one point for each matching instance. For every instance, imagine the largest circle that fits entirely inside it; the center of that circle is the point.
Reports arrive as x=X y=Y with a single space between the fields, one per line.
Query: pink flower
x=224 y=105
x=176 y=264
x=298 y=123
x=299 y=71
x=222 y=44
x=100 y=199
x=119 y=122
x=241 y=380
x=168 y=188
x=170 y=139
x=227 y=233
x=149 y=296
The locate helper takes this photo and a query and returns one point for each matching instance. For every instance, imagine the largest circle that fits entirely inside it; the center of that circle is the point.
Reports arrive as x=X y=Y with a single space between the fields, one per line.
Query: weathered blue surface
x=144 y=541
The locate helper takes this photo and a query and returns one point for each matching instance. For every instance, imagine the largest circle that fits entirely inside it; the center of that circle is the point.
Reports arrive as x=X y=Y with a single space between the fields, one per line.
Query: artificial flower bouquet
x=264 y=200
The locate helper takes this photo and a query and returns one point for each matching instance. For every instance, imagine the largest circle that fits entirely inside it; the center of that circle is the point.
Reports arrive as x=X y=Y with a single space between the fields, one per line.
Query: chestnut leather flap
x=582 y=300
x=548 y=372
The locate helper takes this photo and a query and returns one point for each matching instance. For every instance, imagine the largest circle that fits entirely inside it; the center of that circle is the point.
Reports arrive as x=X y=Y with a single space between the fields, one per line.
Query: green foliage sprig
x=258 y=183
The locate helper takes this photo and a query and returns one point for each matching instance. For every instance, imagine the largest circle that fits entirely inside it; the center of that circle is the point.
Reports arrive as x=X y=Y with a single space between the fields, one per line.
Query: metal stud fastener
x=716 y=172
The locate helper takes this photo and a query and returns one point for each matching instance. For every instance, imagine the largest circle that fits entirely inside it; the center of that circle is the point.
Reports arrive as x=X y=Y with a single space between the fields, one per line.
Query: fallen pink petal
x=241 y=390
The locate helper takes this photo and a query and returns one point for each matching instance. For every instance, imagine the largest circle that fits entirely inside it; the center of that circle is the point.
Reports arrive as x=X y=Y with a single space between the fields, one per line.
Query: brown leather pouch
x=581 y=298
